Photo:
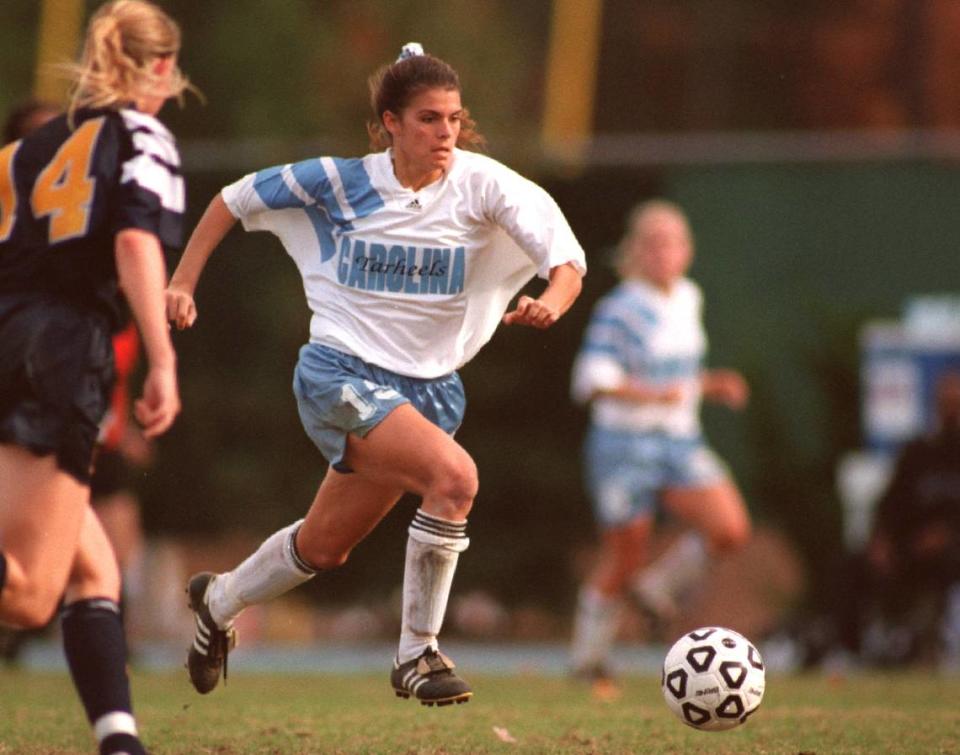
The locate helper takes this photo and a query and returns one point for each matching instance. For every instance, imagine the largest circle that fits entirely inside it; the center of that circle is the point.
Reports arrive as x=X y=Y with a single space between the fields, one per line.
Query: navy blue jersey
x=66 y=192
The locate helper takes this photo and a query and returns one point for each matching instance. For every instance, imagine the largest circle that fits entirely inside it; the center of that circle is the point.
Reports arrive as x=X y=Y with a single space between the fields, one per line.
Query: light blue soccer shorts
x=626 y=471
x=339 y=394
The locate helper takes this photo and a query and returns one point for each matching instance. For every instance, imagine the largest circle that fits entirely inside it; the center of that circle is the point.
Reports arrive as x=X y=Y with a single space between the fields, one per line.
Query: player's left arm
x=559 y=295
x=531 y=217
x=141 y=271
x=725 y=386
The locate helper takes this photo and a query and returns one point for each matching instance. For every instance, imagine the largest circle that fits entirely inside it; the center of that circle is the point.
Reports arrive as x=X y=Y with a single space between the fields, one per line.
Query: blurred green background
x=812 y=143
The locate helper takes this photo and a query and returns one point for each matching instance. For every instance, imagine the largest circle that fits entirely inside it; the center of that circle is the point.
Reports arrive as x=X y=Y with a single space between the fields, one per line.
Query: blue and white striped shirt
x=415 y=282
x=639 y=332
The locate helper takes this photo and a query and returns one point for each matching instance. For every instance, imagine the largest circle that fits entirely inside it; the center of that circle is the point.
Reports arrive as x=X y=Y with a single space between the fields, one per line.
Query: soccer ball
x=713 y=679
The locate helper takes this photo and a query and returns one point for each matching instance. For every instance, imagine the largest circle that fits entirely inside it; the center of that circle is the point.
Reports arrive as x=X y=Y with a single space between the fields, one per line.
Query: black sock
x=96 y=652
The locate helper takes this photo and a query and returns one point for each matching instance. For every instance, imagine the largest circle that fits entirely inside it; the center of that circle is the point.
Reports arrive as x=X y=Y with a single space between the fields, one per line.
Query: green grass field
x=257 y=713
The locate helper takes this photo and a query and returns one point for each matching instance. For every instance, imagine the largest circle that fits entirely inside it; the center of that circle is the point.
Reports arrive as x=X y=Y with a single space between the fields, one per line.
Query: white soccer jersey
x=415 y=282
x=637 y=331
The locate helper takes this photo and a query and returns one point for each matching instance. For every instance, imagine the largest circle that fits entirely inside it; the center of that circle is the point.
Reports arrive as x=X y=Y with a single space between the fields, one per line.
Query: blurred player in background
x=27 y=118
x=641 y=370
x=122 y=450
x=409 y=258
x=86 y=203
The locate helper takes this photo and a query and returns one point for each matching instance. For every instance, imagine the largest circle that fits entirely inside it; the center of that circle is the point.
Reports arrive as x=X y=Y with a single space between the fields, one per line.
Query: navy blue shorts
x=339 y=394
x=56 y=373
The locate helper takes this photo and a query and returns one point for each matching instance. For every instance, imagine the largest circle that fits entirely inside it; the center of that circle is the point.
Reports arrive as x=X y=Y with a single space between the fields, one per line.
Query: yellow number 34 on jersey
x=63 y=190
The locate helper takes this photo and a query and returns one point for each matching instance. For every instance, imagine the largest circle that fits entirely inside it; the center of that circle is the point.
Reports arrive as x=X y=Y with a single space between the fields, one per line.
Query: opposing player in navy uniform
x=641 y=370
x=409 y=257
x=86 y=203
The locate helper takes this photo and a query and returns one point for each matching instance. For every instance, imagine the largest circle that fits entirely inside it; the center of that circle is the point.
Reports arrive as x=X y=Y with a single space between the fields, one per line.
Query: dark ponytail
x=393 y=86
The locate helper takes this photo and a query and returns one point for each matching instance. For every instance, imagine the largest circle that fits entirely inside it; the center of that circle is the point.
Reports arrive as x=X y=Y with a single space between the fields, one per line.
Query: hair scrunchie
x=410 y=50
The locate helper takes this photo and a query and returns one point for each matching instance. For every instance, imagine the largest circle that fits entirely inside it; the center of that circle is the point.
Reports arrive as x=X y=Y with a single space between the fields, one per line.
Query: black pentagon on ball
x=731 y=707
x=733 y=673
x=753 y=656
x=701 y=657
x=694 y=714
x=676 y=682
x=701 y=635
x=728 y=642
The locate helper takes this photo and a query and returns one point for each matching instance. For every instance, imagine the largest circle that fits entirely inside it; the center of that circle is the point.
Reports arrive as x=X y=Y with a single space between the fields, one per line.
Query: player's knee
x=732 y=537
x=455 y=484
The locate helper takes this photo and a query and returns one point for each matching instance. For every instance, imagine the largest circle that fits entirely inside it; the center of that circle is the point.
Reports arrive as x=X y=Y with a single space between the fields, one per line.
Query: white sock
x=594 y=627
x=678 y=569
x=273 y=569
x=433 y=547
x=115 y=722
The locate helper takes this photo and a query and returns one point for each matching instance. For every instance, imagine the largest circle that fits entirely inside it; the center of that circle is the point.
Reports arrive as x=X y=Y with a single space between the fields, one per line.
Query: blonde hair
x=123 y=40
x=638 y=215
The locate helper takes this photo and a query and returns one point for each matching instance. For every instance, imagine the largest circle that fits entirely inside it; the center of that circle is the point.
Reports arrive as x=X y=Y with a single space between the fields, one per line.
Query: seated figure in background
x=913 y=557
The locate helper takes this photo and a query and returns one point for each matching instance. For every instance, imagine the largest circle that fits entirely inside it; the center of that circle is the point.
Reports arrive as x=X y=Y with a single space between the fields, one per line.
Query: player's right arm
x=600 y=375
x=638 y=392
x=216 y=221
x=600 y=369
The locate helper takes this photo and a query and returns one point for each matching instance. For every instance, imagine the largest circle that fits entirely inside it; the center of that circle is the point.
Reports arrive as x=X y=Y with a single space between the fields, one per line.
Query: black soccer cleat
x=211 y=644
x=430 y=679
x=122 y=744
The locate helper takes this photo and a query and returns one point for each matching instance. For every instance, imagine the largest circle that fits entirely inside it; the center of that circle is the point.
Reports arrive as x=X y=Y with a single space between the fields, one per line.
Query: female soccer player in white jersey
x=641 y=369
x=86 y=203
x=409 y=258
